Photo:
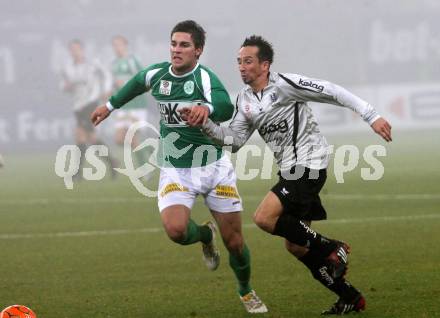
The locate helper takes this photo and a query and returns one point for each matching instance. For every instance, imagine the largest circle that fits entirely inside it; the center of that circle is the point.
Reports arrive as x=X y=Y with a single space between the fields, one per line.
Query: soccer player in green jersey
x=192 y=164
x=124 y=67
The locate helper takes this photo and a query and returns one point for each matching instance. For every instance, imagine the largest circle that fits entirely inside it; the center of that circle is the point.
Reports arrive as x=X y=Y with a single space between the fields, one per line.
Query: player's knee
x=235 y=245
x=119 y=137
x=119 y=141
x=263 y=221
x=176 y=233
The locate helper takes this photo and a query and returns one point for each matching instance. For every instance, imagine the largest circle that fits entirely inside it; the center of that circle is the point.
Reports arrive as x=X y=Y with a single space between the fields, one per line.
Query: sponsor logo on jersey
x=169 y=114
x=165 y=87
x=173 y=187
x=226 y=191
x=188 y=87
x=273 y=97
x=325 y=275
x=247 y=111
x=282 y=127
x=304 y=83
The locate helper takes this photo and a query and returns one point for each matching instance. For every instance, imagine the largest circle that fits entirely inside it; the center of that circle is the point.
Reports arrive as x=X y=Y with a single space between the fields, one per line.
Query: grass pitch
x=99 y=250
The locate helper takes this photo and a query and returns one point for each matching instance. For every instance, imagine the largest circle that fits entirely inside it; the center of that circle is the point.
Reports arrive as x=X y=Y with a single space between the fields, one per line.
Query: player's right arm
x=235 y=135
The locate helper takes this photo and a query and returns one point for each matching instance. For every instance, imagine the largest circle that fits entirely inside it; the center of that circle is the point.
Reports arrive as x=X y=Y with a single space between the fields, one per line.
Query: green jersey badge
x=188 y=87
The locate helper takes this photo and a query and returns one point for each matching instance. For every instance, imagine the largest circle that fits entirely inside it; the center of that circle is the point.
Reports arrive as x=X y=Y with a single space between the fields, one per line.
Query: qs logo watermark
x=67 y=163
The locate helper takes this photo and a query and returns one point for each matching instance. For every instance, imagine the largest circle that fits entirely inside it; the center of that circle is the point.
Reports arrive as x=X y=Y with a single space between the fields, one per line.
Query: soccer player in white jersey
x=186 y=170
x=275 y=104
x=87 y=81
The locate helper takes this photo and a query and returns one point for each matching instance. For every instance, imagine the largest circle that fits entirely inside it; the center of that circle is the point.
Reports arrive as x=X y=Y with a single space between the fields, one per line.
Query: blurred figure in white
x=88 y=82
x=2 y=162
x=124 y=67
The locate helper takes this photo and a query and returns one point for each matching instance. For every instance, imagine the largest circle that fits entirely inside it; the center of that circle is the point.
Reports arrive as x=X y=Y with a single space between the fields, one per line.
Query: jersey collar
x=183 y=75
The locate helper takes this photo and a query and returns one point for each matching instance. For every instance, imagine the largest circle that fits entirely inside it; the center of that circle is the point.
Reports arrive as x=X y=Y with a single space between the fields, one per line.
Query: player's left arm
x=217 y=105
x=316 y=90
x=222 y=108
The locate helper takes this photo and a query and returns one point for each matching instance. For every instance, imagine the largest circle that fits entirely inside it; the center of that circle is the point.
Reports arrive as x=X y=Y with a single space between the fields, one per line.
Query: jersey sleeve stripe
x=206 y=83
x=149 y=75
x=236 y=107
x=290 y=82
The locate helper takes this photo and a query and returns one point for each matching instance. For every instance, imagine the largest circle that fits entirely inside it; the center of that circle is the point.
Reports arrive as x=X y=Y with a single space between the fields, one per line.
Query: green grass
x=67 y=258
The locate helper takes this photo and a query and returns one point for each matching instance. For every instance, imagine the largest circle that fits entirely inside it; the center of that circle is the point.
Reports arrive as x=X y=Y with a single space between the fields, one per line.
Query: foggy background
x=388 y=52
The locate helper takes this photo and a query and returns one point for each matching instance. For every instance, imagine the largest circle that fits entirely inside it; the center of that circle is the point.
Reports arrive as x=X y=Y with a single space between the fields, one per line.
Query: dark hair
x=193 y=28
x=265 y=49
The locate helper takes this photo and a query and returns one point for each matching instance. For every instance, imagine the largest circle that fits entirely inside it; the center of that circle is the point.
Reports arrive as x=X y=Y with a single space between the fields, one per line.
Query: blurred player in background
x=124 y=67
x=186 y=171
x=2 y=161
x=275 y=104
x=88 y=82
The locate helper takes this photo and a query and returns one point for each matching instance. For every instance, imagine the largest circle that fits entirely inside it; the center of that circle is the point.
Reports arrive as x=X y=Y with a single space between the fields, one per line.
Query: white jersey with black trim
x=89 y=81
x=284 y=120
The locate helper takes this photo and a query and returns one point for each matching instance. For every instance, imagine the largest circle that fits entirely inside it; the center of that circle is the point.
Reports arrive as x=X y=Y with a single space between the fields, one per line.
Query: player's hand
x=99 y=114
x=184 y=113
x=198 y=115
x=382 y=128
x=119 y=83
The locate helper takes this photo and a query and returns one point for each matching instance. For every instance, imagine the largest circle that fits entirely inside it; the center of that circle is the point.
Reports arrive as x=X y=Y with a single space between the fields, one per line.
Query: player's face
x=184 y=55
x=77 y=52
x=120 y=47
x=250 y=67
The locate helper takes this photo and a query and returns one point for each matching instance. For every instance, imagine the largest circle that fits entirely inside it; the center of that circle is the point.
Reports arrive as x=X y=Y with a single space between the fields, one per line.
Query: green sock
x=196 y=233
x=241 y=265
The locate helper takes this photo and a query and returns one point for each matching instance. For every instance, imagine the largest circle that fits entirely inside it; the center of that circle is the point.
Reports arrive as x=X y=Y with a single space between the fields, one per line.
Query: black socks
x=339 y=286
x=299 y=233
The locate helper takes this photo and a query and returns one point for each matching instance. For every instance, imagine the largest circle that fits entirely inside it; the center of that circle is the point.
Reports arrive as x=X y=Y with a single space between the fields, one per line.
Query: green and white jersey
x=124 y=68
x=182 y=146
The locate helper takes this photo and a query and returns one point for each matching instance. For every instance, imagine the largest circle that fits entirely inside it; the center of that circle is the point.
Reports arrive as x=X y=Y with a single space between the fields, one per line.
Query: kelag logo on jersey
x=282 y=127
x=304 y=83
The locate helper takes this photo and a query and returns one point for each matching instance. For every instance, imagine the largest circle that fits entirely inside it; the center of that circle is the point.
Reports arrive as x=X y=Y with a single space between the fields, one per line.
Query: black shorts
x=300 y=197
x=83 y=117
